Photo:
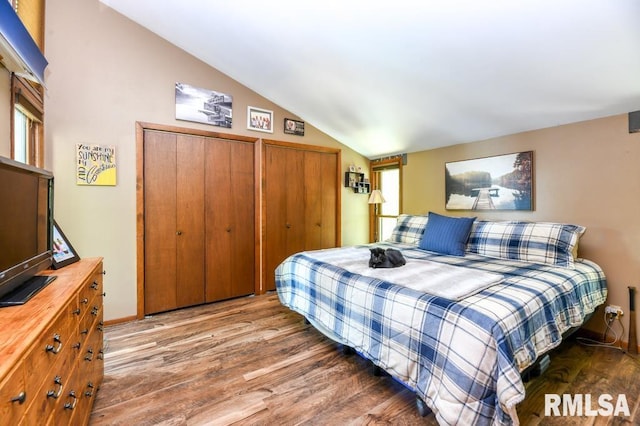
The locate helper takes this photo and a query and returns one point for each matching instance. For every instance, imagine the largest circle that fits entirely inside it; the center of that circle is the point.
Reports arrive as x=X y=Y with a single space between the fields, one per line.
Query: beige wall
x=585 y=173
x=104 y=74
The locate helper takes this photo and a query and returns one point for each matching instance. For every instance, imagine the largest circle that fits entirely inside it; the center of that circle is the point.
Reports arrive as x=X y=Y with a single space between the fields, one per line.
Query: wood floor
x=252 y=361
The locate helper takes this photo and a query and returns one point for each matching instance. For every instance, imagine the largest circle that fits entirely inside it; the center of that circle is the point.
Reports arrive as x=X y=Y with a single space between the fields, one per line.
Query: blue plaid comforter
x=462 y=358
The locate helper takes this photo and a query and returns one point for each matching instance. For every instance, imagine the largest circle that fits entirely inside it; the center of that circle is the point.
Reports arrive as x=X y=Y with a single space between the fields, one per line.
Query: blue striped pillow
x=446 y=235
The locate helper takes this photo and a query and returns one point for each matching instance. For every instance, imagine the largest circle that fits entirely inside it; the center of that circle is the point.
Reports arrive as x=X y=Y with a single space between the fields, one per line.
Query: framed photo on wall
x=501 y=182
x=260 y=120
x=63 y=252
x=293 y=127
x=203 y=106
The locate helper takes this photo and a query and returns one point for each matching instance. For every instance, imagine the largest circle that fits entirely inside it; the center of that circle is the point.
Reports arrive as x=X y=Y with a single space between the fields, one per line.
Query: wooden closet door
x=313 y=200
x=160 y=252
x=301 y=204
x=330 y=188
x=190 y=266
x=284 y=217
x=174 y=221
x=230 y=223
x=320 y=186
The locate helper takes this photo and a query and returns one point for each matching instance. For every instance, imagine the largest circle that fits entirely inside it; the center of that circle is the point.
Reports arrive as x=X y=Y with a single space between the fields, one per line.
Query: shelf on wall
x=357 y=181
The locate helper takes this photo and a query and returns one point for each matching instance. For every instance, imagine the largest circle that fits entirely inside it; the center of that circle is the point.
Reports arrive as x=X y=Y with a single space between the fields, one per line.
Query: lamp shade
x=376 y=197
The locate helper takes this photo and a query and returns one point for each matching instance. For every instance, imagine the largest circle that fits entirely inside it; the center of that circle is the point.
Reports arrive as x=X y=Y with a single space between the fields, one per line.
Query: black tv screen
x=26 y=223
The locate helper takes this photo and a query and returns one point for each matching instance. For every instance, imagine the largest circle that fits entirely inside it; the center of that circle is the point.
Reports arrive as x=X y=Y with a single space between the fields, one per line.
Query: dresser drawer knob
x=54 y=349
x=76 y=311
x=95 y=285
x=84 y=301
x=89 y=391
x=89 y=356
x=71 y=405
x=20 y=398
x=56 y=394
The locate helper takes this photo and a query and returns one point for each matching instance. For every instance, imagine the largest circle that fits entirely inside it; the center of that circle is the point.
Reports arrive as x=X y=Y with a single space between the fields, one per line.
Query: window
x=386 y=175
x=27 y=130
x=390 y=209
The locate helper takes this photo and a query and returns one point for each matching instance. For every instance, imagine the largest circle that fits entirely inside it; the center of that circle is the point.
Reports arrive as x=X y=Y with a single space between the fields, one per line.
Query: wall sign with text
x=95 y=165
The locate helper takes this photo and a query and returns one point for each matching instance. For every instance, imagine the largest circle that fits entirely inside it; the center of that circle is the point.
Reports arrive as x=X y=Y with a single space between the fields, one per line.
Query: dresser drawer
x=52 y=347
x=90 y=289
x=68 y=406
x=14 y=398
x=50 y=394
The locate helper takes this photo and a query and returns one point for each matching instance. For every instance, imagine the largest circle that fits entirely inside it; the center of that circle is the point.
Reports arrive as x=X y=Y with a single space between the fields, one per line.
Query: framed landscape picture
x=502 y=182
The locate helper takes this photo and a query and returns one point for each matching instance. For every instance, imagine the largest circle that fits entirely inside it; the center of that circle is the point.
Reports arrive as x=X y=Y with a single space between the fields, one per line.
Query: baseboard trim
x=120 y=320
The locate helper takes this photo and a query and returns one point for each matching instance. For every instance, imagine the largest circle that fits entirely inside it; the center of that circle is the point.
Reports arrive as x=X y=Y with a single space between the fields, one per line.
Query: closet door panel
x=295 y=226
x=243 y=213
x=329 y=194
x=275 y=217
x=230 y=220
x=160 y=221
x=313 y=198
x=190 y=221
x=219 y=219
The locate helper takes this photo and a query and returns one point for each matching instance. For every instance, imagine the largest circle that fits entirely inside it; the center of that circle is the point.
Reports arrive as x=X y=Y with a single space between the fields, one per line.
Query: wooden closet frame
x=140 y=128
x=305 y=147
x=259 y=205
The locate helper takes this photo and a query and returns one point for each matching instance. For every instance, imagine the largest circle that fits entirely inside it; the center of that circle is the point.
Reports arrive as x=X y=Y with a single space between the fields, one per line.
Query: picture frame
x=293 y=127
x=500 y=182
x=206 y=106
x=63 y=253
x=260 y=120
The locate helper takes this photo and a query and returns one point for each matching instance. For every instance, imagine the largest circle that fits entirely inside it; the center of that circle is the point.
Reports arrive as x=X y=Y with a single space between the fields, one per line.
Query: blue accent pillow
x=446 y=235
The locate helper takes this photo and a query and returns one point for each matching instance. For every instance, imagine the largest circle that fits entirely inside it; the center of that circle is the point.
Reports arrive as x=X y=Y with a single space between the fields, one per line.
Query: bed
x=461 y=350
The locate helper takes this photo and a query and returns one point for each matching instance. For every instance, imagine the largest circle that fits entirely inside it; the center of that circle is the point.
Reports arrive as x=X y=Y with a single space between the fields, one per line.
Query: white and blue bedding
x=462 y=358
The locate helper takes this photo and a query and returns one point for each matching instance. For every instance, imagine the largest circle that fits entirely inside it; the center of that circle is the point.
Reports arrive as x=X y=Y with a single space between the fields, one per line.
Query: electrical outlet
x=614 y=310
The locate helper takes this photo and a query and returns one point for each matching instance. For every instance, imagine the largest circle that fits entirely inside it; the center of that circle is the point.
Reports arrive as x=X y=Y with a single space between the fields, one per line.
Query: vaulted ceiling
x=404 y=76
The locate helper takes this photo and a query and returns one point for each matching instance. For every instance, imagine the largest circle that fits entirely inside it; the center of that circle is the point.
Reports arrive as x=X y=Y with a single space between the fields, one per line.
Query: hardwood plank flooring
x=252 y=361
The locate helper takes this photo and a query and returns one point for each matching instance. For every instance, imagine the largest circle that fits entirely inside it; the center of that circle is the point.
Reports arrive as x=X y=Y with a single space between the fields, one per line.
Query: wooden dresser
x=51 y=354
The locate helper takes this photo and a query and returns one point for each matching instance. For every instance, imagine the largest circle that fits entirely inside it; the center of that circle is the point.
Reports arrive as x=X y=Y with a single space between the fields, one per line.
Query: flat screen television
x=26 y=230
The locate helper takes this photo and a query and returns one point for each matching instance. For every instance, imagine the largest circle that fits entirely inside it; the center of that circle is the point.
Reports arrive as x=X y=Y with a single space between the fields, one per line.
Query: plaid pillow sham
x=408 y=229
x=535 y=242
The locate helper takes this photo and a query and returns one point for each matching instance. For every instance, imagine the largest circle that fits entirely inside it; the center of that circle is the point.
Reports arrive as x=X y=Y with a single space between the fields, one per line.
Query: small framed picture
x=260 y=120
x=293 y=127
x=63 y=253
